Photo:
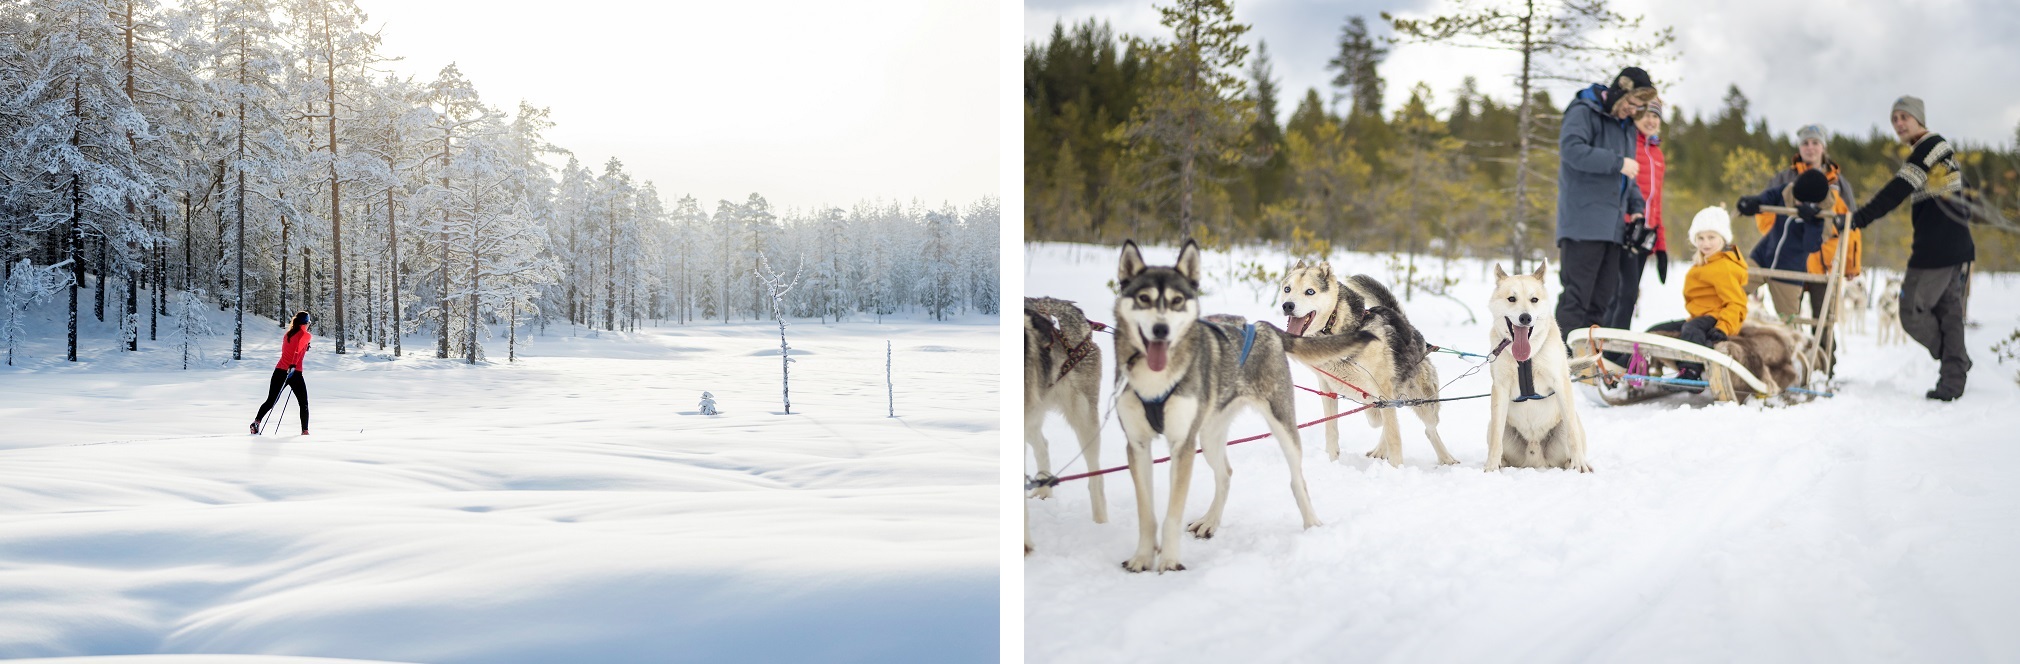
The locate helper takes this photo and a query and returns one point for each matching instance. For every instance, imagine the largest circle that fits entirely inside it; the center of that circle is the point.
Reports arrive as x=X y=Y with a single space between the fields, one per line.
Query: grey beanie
x=1913 y=106
x=1811 y=131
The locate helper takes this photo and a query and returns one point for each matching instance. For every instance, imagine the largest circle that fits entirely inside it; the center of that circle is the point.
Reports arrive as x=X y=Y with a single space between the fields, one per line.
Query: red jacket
x=1649 y=156
x=292 y=350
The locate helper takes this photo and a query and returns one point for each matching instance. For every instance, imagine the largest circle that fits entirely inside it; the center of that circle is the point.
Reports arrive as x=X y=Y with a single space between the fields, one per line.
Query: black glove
x=1749 y=205
x=1808 y=211
x=1860 y=219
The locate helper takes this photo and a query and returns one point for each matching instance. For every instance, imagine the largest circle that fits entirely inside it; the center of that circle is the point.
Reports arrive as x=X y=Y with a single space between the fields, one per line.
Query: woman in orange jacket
x=288 y=371
x=1714 y=291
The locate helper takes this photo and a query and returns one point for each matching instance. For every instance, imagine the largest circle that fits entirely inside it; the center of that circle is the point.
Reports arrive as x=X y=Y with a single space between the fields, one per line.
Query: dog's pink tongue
x=1154 y=354
x=1520 y=346
x=1295 y=325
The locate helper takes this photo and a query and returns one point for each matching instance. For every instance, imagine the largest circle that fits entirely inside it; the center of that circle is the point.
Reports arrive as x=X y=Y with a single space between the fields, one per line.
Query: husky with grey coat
x=1531 y=423
x=1062 y=373
x=1315 y=303
x=1186 y=378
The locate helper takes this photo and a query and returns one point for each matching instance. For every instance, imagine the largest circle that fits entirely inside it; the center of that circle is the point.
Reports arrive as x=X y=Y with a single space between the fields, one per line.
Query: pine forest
x=256 y=156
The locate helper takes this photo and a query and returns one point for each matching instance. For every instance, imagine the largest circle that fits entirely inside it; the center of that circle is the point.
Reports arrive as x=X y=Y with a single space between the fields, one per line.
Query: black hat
x=1812 y=187
x=1633 y=78
x=1630 y=81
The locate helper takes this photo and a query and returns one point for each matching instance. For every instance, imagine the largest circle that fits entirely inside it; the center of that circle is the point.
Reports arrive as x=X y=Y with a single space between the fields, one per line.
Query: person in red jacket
x=288 y=371
x=1648 y=154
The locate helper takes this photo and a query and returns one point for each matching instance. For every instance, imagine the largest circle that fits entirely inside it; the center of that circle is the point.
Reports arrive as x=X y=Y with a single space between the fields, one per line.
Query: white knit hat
x=1714 y=219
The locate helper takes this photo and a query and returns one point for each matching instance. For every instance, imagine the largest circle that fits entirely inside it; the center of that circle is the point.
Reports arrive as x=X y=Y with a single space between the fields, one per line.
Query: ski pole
x=284 y=403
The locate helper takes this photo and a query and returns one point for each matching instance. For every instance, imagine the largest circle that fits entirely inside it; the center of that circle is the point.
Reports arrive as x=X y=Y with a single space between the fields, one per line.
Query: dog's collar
x=1330 y=319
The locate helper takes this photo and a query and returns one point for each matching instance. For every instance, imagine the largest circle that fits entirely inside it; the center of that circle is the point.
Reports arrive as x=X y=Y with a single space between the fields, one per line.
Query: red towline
x=1238 y=441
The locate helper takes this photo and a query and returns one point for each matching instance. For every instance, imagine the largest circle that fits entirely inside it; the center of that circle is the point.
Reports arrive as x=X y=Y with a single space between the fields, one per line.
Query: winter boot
x=255 y=428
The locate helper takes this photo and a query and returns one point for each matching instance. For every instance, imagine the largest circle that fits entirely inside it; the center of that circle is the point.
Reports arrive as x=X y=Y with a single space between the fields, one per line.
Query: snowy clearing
x=1873 y=526
x=572 y=506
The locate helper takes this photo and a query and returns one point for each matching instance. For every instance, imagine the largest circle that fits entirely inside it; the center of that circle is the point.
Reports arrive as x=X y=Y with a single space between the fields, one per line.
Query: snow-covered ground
x=572 y=506
x=1873 y=526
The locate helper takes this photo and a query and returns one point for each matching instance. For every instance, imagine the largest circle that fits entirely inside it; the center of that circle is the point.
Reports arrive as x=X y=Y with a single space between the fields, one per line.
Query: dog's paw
x=1447 y=460
x=1203 y=528
x=1169 y=564
x=1042 y=493
x=1313 y=522
x=1140 y=562
x=1581 y=465
x=1332 y=450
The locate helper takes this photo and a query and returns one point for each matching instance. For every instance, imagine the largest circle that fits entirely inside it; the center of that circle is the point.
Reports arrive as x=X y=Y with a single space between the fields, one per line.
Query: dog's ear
x=1542 y=267
x=1500 y=275
x=1325 y=274
x=1300 y=265
x=1188 y=262
x=1132 y=262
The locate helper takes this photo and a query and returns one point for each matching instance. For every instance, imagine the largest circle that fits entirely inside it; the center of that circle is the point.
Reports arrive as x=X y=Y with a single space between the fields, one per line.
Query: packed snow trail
x=573 y=506
x=1875 y=526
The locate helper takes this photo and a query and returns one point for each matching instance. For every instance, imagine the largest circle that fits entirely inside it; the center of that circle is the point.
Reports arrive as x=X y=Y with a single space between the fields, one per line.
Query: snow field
x=1873 y=526
x=571 y=506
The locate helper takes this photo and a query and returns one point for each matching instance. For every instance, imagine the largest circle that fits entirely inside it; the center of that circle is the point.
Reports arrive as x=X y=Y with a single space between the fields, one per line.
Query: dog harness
x=1154 y=406
x=1074 y=354
x=1527 y=384
x=1247 y=340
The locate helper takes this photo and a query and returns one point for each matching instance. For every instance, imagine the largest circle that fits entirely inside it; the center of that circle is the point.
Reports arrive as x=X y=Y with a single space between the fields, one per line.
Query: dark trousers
x=1589 y=270
x=1932 y=313
x=1621 y=315
x=1702 y=330
x=274 y=392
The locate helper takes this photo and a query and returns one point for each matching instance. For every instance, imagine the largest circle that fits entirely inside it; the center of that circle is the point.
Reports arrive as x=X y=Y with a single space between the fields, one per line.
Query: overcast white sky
x=1838 y=63
x=806 y=102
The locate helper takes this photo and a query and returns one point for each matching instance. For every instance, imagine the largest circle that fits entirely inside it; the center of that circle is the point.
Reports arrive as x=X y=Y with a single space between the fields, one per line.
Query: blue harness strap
x=1247 y=340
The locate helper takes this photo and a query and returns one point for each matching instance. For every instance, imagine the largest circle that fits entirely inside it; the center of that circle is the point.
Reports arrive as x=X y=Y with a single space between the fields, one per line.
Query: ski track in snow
x=571 y=506
x=1873 y=526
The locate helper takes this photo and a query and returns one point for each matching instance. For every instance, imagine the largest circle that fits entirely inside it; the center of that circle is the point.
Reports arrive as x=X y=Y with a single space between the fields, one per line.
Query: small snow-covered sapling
x=707 y=404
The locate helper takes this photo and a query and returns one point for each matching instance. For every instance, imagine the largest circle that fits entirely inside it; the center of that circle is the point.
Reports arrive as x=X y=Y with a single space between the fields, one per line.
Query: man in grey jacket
x=1596 y=192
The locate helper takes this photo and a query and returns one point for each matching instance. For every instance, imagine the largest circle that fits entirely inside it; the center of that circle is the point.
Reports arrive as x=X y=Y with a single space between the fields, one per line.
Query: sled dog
x=1186 y=378
x=1853 y=311
x=1396 y=366
x=1532 y=422
x=1062 y=373
x=1889 y=325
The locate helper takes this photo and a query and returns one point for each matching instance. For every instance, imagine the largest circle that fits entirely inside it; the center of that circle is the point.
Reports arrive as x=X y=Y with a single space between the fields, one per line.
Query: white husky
x=1532 y=422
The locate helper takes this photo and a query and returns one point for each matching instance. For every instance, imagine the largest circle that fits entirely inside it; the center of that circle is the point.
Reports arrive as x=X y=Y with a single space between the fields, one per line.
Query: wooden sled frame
x=1821 y=350
x=1727 y=379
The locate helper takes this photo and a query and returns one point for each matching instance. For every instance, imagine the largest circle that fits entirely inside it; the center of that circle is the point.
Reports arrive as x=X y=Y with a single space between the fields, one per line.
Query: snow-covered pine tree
x=74 y=130
x=575 y=198
x=728 y=219
x=984 y=245
x=388 y=151
x=937 y=288
x=458 y=113
x=689 y=220
x=26 y=286
x=190 y=323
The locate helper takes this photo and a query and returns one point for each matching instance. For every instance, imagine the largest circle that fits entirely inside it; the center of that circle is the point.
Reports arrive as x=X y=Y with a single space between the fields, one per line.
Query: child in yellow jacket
x=1714 y=291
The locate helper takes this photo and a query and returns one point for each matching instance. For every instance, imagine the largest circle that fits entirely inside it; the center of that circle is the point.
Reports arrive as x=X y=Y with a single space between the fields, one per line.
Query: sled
x=1646 y=378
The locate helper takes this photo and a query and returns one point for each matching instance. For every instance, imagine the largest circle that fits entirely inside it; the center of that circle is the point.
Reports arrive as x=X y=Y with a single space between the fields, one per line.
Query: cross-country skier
x=288 y=371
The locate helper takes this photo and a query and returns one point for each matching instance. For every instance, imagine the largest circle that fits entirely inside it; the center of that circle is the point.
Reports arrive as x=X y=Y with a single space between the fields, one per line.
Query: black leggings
x=274 y=392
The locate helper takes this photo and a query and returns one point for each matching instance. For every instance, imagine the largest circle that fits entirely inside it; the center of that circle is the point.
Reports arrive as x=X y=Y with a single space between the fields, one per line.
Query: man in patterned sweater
x=1932 y=293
